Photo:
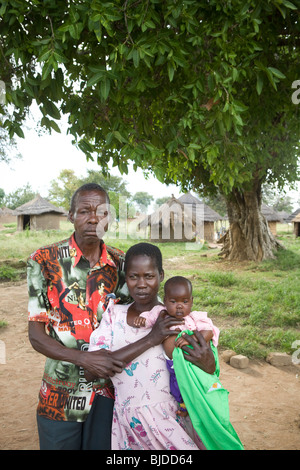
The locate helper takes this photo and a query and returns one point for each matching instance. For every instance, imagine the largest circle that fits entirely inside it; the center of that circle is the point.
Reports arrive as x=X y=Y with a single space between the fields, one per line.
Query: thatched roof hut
x=209 y=215
x=283 y=216
x=182 y=219
x=39 y=214
x=296 y=222
x=271 y=217
x=203 y=214
x=170 y=222
x=293 y=215
x=7 y=216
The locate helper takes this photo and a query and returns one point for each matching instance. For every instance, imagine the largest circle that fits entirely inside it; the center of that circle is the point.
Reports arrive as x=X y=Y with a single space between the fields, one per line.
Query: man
x=63 y=285
x=61 y=280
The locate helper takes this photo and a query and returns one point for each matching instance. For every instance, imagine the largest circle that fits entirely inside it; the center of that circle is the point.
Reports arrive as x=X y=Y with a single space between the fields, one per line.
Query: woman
x=144 y=411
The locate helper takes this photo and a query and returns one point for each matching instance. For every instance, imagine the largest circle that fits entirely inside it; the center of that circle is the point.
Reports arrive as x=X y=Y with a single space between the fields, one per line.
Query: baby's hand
x=181 y=341
x=139 y=322
x=182 y=411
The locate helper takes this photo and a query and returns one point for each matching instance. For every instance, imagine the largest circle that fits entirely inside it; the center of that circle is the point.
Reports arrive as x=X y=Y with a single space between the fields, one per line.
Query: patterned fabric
x=144 y=411
x=70 y=298
x=207 y=403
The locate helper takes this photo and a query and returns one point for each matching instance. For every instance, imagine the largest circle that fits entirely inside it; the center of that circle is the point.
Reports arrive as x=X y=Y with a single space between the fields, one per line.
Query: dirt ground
x=264 y=400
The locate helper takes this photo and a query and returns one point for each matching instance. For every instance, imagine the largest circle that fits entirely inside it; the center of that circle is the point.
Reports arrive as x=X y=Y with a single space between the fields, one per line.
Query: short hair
x=86 y=187
x=146 y=249
x=178 y=279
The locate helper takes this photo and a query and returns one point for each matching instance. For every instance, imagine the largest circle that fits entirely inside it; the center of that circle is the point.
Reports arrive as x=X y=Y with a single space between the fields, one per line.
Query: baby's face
x=178 y=300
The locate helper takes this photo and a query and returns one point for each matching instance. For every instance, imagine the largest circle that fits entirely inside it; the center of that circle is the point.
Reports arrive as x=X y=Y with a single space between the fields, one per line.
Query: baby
x=178 y=301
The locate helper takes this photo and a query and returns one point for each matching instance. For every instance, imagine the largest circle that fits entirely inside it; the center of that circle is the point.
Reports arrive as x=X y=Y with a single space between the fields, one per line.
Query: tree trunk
x=249 y=236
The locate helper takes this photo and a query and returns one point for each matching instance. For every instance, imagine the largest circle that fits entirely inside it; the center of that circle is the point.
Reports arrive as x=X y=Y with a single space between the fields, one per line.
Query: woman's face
x=143 y=280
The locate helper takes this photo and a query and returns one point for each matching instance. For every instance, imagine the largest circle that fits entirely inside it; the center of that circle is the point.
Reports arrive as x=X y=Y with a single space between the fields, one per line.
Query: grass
x=255 y=305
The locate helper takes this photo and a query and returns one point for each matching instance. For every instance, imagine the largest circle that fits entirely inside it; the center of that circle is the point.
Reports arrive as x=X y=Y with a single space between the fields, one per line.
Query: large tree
x=197 y=92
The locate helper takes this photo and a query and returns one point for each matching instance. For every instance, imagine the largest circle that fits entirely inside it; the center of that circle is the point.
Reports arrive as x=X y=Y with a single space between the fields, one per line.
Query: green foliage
x=223 y=279
x=142 y=199
x=197 y=92
x=62 y=188
x=8 y=273
x=18 y=197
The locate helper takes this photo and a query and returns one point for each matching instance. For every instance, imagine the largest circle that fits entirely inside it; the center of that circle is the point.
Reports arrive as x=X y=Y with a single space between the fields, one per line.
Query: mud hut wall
x=273 y=228
x=20 y=223
x=297 y=229
x=209 y=231
x=48 y=221
x=7 y=219
x=163 y=233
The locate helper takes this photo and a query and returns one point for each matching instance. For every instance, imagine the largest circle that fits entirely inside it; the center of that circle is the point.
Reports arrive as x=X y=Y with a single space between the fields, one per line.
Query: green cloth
x=206 y=401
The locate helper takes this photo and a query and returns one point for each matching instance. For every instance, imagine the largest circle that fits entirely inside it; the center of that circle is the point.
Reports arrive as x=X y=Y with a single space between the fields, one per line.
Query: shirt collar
x=76 y=253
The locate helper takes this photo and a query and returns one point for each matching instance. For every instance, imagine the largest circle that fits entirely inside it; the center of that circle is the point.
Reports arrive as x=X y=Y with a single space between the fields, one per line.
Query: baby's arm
x=207 y=335
x=169 y=345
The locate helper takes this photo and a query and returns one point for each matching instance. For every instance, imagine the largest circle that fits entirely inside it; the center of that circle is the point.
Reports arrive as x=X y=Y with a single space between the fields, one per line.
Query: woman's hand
x=161 y=328
x=201 y=355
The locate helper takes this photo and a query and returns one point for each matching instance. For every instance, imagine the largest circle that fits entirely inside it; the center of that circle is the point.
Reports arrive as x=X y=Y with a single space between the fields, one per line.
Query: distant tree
x=217 y=203
x=161 y=200
x=114 y=185
x=277 y=199
x=107 y=181
x=283 y=204
x=2 y=196
x=142 y=200
x=19 y=197
x=63 y=187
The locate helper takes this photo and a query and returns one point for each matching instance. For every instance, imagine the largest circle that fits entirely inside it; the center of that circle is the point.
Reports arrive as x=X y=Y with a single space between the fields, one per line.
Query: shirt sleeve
x=152 y=315
x=37 y=293
x=203 y=322
x=102 y=337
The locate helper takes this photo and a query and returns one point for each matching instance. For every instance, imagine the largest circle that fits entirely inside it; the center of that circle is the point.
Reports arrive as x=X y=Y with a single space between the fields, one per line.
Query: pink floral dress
x=144 y=411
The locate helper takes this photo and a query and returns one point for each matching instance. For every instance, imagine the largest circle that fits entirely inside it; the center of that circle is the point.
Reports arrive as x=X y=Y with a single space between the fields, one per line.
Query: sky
x=44 y=156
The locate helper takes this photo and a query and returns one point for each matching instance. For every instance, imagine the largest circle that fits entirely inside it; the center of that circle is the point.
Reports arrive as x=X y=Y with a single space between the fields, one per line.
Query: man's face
x=90 y=217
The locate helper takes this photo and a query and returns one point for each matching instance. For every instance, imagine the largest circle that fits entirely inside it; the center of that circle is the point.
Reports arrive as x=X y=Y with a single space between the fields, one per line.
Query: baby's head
x=178 y=298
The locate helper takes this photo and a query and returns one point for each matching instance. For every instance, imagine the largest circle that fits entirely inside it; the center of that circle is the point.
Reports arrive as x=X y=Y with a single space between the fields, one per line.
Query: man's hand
x=101 y=364
x=201 y=355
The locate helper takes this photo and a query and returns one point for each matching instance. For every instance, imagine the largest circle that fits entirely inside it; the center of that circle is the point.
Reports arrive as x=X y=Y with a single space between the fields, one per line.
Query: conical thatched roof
x=293 y=215
x=163 y=215
x=283 y=215
x=297 y=218
x=37 y=206
x=6 y=211
x=269 y=213
x=188 y=198
x=200 y=208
